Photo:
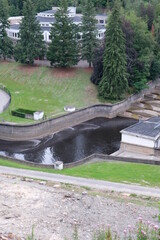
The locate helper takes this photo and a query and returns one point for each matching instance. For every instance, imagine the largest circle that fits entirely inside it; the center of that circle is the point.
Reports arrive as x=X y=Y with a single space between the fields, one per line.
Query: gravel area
x=55 y=209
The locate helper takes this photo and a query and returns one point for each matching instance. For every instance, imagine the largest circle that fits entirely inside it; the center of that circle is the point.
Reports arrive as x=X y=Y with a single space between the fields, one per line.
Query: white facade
x=46 y=20
x=137 y=140
x=143 y=134
x=13 y=33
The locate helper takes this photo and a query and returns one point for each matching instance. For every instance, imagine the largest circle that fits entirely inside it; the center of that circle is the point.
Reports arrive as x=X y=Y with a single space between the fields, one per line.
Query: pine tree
x=114 y=80
x=6 y=48
x=63 y=50
x=31 y=44
x=89 y=41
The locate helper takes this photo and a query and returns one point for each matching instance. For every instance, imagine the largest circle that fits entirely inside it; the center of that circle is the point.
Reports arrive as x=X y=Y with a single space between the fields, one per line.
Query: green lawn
x=46 y=89
x=147 y=175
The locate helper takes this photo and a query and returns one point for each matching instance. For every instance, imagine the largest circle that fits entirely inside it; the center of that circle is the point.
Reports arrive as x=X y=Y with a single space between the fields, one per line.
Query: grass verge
x=46 y=89
x=142 y=174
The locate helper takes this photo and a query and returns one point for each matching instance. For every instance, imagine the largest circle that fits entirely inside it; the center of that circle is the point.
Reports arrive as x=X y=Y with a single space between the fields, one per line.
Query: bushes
x=142 y=231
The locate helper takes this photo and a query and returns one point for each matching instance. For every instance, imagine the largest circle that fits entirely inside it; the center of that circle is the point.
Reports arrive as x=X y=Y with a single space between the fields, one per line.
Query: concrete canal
x=99 y=135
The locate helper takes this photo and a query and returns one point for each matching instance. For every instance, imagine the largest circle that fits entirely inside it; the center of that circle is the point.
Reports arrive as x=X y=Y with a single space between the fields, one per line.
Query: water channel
x=99 y=135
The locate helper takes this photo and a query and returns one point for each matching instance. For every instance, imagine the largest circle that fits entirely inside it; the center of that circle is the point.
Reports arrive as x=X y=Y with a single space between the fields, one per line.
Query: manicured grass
x=147 y=175
x=46 y=89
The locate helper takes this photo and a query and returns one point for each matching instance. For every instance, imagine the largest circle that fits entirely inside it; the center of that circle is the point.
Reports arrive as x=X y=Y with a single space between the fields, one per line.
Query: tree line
x=16 y=6
x=130 y=55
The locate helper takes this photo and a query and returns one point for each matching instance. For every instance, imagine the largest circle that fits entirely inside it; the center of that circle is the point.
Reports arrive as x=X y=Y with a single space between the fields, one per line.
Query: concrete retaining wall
x=15 y=132
x=90 y=159
x=5 y=98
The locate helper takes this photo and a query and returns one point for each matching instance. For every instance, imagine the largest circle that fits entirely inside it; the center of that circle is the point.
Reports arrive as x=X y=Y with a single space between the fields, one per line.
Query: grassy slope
x=38 y=88
x=147 y=175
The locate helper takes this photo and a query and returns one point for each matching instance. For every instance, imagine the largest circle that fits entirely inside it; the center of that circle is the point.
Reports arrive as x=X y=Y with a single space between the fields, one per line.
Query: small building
x=142 y=137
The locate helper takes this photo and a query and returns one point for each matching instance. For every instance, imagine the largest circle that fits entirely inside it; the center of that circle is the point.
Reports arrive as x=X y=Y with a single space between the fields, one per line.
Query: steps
x=148 y=107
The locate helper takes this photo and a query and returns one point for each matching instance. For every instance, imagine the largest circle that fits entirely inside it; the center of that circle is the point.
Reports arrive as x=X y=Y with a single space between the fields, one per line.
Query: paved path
x=81 y=63
x=4 y=99
x=97 y=184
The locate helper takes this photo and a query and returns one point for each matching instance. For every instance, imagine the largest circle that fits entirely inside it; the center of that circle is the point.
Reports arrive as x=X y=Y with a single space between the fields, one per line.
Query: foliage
x=143 y=45
x=147 y=13
x=98 y=64
x=114 y=80
x=30 y=45
x=63 y=50
x=6 y=46
x=103 y=235
x=89 y=41
x=31 y=237
x=16 y=6
x=159 y=211
x=155 y=66
x=75 y=233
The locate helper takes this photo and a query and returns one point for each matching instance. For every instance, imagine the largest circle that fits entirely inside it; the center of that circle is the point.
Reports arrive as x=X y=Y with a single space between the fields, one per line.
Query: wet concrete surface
x=99 y=135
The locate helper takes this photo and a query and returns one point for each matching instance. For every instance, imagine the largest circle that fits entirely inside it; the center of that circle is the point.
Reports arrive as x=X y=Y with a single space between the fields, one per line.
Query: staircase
x=148 y=107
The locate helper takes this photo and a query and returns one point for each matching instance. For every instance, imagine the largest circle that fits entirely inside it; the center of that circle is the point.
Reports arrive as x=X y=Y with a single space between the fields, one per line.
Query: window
x=101 y=21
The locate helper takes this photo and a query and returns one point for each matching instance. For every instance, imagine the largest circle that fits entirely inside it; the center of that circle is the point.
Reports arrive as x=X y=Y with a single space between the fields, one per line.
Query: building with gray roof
x=142 y=136
x=46 y=19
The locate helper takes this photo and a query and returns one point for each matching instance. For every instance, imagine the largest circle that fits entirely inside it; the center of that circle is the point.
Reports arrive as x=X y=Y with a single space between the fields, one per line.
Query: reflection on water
x=99 y=135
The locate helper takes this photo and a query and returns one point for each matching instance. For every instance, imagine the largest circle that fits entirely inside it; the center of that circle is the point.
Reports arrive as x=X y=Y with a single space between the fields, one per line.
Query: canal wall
x=17 y=132
x=94 y=158
x=5 y=98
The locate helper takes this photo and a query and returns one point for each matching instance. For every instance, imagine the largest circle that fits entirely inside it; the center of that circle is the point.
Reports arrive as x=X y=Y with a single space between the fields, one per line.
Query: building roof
x=15 y=26
x=102 y=15
x=147 y=129
x=77 y=19
x=49 y=11
x=46 y=19
x=100 y=27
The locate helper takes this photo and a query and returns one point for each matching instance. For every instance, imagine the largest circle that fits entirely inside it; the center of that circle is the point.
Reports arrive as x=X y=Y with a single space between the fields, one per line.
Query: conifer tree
x=31 y=44
x=6 y=46
x=63 y=50
x=114 y=80
x=89 y=41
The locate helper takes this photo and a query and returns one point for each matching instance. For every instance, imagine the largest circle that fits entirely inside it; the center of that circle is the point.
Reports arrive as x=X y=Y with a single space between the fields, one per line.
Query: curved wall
x=5 y=99
x=17 y=132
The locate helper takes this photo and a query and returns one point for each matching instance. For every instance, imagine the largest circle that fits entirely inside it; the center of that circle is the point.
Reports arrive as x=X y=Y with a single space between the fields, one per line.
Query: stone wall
x=15 y=132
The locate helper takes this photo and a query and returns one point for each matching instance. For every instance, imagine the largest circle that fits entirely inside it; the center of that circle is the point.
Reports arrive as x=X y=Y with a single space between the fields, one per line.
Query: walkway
x=4 y=99
x=97 y=184
x=81 y=63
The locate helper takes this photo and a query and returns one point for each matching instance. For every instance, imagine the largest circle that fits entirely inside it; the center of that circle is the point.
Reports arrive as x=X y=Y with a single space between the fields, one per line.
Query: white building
x=46 y=19
x=142 y=137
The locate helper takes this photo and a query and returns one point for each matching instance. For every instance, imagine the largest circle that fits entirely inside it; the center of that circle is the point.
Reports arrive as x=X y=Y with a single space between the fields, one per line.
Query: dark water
x=99 y=135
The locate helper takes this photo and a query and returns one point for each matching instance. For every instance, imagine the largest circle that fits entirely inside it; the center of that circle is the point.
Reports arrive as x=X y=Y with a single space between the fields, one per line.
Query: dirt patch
x=88 y=70
x=4 y=62
x=27 y=69
x=63 y=72
x=54 y=209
